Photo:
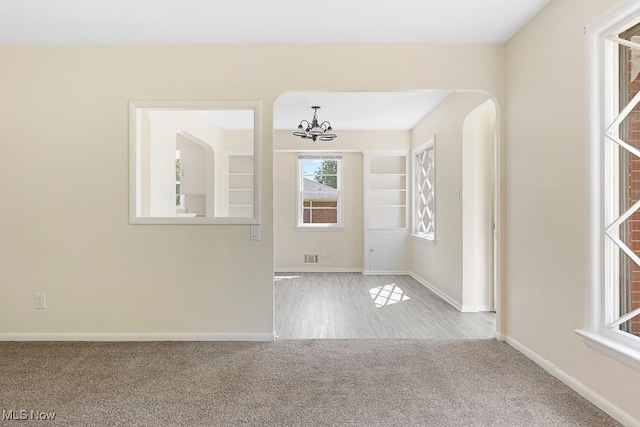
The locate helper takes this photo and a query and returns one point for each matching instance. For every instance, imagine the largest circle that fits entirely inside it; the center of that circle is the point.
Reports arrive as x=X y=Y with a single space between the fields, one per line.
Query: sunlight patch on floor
x=387 y=295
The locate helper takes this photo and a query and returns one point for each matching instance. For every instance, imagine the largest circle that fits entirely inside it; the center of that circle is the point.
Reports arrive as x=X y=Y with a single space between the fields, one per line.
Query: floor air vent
x=311 y=259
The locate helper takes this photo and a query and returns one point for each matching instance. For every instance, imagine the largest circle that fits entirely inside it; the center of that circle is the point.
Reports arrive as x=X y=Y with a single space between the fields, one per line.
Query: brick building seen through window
x=320 y=203
x=320 y=186
x=629 y=83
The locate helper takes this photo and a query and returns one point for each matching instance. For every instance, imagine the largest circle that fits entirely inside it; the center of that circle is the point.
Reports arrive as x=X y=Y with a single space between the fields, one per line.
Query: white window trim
x=300 y=225
x=422 y=237
x=601 y=72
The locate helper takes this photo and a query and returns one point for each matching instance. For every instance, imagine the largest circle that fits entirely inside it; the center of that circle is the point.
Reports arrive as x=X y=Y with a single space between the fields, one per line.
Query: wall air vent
x=311 y=259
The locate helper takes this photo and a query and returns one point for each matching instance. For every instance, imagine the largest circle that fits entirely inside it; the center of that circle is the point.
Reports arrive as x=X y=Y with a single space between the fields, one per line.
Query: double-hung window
x=319 y=202
x=613 y=310
x=424 y=196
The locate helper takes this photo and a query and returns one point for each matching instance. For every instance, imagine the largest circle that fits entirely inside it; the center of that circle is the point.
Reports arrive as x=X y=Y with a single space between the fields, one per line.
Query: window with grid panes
x=613 y=310
x=424 y=198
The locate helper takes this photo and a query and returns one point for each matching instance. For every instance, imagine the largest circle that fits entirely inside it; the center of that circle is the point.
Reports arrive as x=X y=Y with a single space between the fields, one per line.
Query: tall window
x=319 y=190
x=629 y=181
x=613 y=315
x=424 y=186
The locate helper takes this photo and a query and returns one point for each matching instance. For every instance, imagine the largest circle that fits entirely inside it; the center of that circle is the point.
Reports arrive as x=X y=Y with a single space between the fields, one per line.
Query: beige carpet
x=292 y=383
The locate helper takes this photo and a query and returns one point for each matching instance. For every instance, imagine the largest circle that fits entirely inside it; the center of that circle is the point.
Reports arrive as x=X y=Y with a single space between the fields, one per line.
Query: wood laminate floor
x=351 y=305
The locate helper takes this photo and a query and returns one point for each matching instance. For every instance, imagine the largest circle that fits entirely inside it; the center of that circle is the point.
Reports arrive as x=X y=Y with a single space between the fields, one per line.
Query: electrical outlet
x=41 y=301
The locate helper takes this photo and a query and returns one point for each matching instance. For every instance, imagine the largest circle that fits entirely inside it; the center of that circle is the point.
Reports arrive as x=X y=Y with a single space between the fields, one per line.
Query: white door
x=387 y=252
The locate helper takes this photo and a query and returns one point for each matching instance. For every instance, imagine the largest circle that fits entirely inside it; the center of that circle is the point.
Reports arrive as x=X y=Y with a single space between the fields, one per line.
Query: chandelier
x=314 y=130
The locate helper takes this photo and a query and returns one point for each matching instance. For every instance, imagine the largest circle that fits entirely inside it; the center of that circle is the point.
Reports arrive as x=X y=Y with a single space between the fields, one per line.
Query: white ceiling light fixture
x=314 y=130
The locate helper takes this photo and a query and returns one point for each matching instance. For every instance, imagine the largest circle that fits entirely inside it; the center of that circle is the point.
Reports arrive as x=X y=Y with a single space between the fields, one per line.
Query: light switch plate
x=41 y=301
x=255 y=232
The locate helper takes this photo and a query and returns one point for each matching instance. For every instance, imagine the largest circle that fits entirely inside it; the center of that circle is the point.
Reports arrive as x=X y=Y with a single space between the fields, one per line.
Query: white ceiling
x=260 y=21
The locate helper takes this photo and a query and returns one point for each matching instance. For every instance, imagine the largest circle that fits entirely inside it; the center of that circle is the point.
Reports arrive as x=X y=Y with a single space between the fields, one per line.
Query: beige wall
x=65 y=228
x=545 y=224
x=440 y=265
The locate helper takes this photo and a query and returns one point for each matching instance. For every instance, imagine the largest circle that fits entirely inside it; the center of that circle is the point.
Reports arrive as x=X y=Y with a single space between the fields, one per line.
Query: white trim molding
x=385 y=273
x=133 y=336
x=475 y=308
x=321 y=228
x=611 y=348
x=422 y=239
x=316 y=270
x=584 y=391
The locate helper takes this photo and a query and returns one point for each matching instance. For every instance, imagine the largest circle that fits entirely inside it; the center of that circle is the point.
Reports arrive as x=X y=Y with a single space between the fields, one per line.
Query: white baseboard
x=438 y=292
x=475 y=308
x=132 y=336
x=316 y=270
x=500 y=337
x=584 y=391
x=385 y=273
x=339 y=270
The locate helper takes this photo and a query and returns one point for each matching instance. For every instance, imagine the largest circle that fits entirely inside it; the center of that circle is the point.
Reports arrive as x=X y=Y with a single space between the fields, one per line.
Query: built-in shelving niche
x=240 y=185
x=386 y=215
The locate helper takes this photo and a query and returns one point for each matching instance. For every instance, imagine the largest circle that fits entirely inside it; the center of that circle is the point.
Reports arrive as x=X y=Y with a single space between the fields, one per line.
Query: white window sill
x=320 y=228
x=612 y=348
x=423 y=239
